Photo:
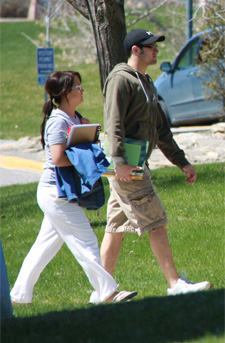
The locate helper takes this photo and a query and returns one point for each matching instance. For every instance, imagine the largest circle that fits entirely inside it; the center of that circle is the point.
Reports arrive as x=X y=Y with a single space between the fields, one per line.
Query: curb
x=20 y=163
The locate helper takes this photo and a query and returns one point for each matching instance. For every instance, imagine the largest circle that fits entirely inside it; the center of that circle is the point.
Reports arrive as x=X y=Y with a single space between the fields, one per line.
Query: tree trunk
x=109 y=29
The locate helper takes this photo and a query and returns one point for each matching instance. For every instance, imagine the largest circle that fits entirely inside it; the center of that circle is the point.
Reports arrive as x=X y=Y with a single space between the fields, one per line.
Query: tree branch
x=81 y=7
x=216 y=46
x=147 y=13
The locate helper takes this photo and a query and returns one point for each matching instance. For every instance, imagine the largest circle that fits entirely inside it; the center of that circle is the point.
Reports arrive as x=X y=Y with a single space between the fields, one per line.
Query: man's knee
x=113 y=238
x=157 y=229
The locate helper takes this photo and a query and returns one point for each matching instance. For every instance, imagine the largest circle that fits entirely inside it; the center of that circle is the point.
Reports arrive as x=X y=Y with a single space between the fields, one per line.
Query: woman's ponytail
x=47 y=109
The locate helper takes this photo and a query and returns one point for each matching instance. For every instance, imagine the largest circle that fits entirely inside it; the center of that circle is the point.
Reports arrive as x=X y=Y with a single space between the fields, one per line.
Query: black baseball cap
x=140 y=37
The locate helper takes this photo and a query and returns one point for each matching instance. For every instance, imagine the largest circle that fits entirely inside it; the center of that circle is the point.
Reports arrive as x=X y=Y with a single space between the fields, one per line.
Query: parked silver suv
x=181 y=91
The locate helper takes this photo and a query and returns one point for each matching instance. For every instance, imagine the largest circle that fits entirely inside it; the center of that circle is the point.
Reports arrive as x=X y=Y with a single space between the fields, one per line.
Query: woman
x=63 y=221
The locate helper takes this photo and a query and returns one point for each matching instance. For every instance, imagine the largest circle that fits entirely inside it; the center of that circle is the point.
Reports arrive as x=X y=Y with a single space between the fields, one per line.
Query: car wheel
x=164 y=108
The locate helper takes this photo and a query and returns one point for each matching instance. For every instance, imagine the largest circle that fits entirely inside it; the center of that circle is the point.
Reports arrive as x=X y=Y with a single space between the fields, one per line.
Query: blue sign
x=45 y=61
x=41 y=80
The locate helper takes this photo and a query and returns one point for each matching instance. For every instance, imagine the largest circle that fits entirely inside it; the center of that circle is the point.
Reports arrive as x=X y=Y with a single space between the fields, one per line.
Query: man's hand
x=190 y=172
x=123 y=172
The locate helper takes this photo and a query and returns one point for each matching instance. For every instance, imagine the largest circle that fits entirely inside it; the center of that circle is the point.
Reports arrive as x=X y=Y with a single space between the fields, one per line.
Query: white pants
x=63 y=222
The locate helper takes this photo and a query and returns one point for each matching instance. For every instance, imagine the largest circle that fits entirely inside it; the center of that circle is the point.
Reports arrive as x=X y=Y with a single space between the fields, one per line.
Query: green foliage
x=14 y=9
x=212 y=55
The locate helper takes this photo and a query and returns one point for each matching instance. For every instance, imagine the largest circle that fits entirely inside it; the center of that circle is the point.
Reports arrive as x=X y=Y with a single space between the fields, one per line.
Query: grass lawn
x=59 y=312
x=21 y=97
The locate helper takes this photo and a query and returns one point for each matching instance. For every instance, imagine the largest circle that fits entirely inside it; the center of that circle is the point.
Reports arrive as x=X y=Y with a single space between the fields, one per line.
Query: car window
x=189 y=55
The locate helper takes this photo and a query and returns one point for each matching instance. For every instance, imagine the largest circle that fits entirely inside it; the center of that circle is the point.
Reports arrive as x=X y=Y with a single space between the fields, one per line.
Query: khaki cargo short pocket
x=147 y=208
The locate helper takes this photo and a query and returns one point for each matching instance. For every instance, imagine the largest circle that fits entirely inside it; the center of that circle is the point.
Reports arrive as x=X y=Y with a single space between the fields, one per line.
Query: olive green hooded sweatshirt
x=131 y=110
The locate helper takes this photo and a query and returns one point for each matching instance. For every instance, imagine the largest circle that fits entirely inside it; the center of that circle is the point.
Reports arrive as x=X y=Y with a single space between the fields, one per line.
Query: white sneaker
x=182 y=287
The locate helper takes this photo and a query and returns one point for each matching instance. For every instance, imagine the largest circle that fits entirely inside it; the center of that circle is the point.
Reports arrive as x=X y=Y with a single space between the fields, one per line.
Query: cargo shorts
x=134 y=206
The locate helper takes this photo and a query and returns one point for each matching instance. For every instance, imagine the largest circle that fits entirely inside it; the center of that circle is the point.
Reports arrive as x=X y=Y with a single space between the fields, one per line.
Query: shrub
x=14 y=8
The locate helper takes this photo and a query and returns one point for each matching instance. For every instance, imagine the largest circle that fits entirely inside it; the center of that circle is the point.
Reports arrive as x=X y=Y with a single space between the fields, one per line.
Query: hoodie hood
x=122 y=68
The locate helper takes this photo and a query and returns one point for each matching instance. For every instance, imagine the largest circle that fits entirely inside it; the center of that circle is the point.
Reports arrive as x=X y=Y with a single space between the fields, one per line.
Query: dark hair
x=58 y=84
x=129 y=51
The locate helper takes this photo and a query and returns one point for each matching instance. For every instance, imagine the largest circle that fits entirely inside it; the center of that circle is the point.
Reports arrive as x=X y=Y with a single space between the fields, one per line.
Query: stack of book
x=136 y=152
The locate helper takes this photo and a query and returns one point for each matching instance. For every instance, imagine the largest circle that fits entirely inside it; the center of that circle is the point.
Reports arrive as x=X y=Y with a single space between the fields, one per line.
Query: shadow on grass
x=158 y=319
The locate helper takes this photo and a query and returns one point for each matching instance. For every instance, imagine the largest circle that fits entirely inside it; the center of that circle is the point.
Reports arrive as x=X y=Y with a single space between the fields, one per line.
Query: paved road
x=13 y=177
x=15 y=169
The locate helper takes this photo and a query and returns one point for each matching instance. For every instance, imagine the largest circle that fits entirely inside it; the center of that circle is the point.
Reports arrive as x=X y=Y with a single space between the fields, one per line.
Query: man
x=132 y=110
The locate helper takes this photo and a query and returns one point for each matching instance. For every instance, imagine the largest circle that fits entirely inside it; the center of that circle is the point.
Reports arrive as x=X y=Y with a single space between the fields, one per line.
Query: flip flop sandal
x=124 y=296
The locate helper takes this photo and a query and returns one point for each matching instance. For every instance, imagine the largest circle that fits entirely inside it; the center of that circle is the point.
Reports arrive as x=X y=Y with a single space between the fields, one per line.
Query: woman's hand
x=84 y=121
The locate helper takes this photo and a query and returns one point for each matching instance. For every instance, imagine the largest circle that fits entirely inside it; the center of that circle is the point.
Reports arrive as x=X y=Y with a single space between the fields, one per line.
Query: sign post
x=45 y=64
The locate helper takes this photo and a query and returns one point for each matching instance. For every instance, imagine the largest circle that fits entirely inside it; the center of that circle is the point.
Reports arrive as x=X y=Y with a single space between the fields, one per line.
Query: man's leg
x=110 y=250
x=161 y=248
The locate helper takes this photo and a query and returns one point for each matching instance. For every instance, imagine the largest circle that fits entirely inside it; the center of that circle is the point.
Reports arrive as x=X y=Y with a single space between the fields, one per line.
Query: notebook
x=83 y=133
